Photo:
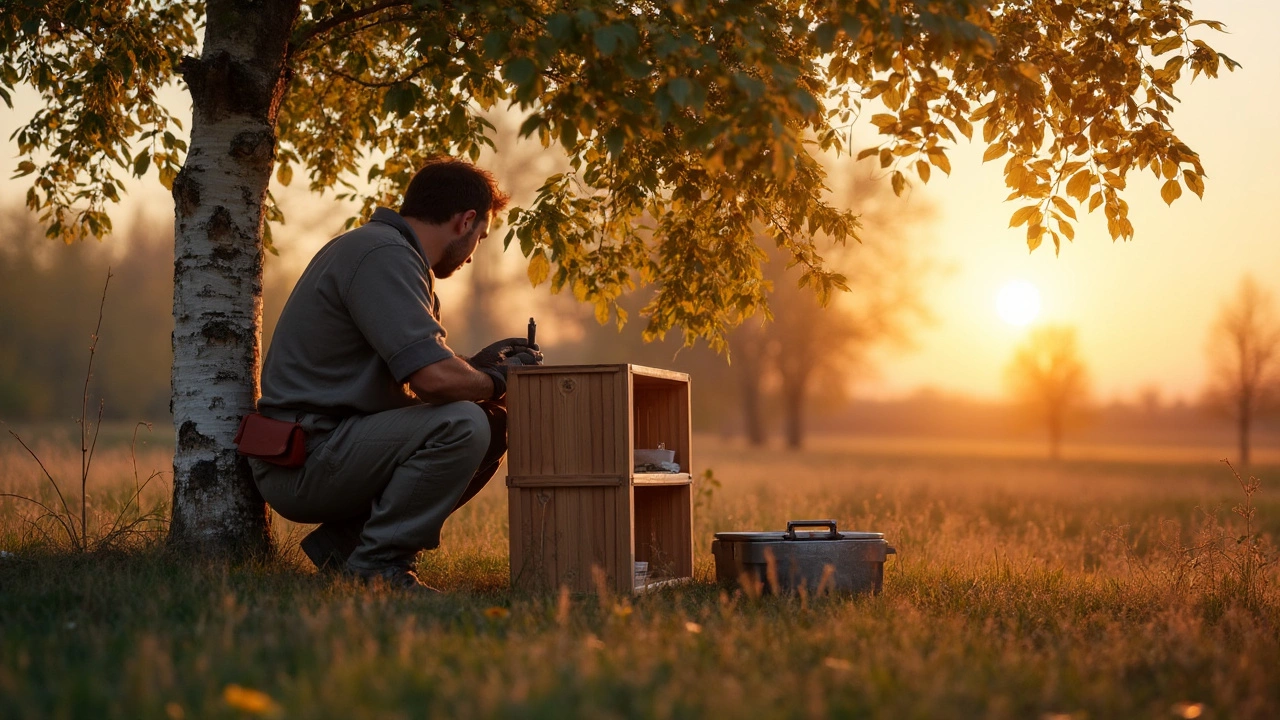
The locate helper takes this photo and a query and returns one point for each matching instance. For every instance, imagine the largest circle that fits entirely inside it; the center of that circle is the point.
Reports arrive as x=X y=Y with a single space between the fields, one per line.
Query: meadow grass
x=1021 y=589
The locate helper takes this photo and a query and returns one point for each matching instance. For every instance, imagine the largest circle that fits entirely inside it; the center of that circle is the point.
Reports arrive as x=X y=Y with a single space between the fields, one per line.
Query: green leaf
x=679 y=89
x=606 y=39
x=560 y=26
x=520 y=71
x=142 y=163
x=530 y=125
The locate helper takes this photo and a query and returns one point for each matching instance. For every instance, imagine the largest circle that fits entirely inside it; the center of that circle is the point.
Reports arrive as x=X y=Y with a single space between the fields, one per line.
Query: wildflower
x=836 y=663
x=693 y=627
x=254 y=702
x=622 y=609
x=496 y=613
x=1188 y=710
x=174 y=711
x=594 y=642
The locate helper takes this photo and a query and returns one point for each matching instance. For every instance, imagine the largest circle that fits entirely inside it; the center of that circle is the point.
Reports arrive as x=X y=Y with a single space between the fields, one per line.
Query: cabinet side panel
x=682 y=515
x=515 y=532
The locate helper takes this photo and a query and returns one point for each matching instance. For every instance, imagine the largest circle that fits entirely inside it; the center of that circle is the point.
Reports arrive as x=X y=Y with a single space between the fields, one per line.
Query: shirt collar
x=387 y=216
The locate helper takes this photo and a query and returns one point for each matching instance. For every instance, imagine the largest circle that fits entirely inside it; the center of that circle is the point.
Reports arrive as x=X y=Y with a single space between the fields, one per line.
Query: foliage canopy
x=692 y=126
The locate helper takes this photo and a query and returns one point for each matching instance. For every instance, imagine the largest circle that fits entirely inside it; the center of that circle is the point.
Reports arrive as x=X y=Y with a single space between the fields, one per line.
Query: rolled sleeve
x=390 y=300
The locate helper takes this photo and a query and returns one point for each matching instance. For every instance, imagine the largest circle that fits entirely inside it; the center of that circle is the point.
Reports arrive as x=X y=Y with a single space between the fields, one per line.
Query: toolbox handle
x=793 y=524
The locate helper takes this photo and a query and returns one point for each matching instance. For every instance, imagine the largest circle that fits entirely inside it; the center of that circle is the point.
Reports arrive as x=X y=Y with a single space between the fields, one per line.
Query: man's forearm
x=450 y=380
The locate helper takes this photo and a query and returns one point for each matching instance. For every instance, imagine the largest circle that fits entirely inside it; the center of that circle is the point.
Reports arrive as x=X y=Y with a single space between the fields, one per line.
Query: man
x=400 y=430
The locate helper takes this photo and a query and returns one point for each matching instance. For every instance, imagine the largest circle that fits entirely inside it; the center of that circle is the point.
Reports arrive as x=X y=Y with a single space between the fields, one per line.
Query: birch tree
x=704 y=115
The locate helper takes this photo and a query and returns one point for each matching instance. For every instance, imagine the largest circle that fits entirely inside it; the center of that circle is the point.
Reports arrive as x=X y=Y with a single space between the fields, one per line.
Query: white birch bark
x=236 y=87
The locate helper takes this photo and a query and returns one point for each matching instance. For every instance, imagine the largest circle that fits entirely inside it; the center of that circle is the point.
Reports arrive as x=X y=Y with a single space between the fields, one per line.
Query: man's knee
x=469 y=425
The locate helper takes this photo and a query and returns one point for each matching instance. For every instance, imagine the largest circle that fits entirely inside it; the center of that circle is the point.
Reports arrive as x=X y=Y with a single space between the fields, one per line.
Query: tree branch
x=334 y=21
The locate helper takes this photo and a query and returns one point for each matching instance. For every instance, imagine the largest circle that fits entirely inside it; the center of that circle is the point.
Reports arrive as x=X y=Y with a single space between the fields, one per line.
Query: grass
x=1021 y=589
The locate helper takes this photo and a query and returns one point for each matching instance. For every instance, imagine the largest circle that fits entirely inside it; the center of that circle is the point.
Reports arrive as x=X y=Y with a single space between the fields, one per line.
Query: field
x=1090 y=588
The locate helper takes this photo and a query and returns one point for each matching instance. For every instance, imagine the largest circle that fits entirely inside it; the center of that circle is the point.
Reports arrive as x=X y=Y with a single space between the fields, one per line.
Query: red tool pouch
x=274 y=441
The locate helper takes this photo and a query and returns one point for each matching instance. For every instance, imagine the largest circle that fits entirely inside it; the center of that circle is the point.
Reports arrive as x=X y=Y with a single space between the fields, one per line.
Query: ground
x=1116 y=587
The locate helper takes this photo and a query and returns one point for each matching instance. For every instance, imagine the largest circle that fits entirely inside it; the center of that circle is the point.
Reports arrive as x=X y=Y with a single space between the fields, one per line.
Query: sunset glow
x=1018 y=303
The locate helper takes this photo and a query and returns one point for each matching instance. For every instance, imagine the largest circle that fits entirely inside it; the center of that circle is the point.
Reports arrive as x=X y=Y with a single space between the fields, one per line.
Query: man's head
x=456 y=200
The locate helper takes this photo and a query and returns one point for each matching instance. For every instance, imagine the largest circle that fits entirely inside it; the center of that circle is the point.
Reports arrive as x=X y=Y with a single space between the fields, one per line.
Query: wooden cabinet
x=580 y=514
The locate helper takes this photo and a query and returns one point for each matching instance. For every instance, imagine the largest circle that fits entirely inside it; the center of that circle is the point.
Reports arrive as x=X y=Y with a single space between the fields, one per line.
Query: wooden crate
x=577 y=508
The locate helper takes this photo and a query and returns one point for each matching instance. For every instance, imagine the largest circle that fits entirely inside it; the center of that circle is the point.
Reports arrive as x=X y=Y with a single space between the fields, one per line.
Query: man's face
x=459 y=250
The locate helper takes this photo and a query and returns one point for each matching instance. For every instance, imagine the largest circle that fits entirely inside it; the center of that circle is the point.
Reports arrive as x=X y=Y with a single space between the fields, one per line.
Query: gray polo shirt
x=363 y=317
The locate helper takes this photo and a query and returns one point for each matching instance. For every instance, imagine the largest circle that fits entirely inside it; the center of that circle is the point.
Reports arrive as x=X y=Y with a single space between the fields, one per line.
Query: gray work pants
x=389 y=480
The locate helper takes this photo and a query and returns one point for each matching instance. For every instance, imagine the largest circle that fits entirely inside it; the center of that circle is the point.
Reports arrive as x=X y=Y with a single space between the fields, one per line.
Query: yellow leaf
x=899 y=182
x=922 y=169
x=1095 y=201
x=1022 y=215
x=884 y=120
x=1064 y=207
x=602 y=312
x=939 y=158
x=539 y=268
x=993 y=152
x=1194 y=182
x=1170 y=43
x=1171 y=191
x=496 y=613
x=254 y=702
x=1079 y=184
x=285 y=174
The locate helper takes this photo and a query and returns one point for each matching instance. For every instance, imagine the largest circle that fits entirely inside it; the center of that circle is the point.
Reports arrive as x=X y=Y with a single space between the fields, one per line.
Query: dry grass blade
x=68 y=524
x=86 y=449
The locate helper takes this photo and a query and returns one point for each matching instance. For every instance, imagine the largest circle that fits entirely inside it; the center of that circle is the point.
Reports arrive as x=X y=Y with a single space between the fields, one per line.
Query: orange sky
x=1141 y=309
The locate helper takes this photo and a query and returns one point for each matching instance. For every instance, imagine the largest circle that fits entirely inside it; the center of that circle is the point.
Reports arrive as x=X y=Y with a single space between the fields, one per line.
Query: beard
x=455 y=255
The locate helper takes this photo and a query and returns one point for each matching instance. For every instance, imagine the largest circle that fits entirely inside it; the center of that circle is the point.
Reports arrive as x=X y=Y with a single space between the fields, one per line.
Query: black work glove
x=494 y=360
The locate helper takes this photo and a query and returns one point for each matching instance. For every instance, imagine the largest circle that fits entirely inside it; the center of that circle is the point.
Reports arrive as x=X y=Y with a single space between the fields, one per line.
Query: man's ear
x=464 y=222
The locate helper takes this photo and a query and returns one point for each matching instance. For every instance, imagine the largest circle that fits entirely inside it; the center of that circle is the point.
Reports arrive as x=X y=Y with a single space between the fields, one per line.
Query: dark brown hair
x=445 y=187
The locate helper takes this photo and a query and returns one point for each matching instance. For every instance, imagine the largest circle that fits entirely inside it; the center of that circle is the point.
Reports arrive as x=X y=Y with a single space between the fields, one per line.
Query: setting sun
x=1018 y=303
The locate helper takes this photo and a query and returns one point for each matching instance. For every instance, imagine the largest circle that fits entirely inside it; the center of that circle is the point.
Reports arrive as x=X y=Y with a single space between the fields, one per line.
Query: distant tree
x=817 y=349
x=1049 y=378
x=703 y=115
x=1244 y=352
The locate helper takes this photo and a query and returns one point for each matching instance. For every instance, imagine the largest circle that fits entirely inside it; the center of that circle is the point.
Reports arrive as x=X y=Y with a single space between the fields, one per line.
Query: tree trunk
x=1055 y=435
x=236 y=86
x=747 y=347
x=793 y=400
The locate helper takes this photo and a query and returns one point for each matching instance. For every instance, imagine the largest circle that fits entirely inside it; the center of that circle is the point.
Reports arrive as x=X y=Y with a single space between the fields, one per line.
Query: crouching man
x=399 y=430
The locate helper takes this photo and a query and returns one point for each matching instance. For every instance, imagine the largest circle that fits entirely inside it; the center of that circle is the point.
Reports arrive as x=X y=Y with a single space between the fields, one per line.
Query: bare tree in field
x=1048 y=376
x=1244 y=351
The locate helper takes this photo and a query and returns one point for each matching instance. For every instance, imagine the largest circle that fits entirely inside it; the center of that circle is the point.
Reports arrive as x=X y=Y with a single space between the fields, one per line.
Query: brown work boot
x=328 y=547
x=392 y=578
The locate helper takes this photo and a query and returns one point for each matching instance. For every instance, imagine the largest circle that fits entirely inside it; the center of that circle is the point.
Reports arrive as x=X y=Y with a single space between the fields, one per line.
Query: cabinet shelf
x=577 y=508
